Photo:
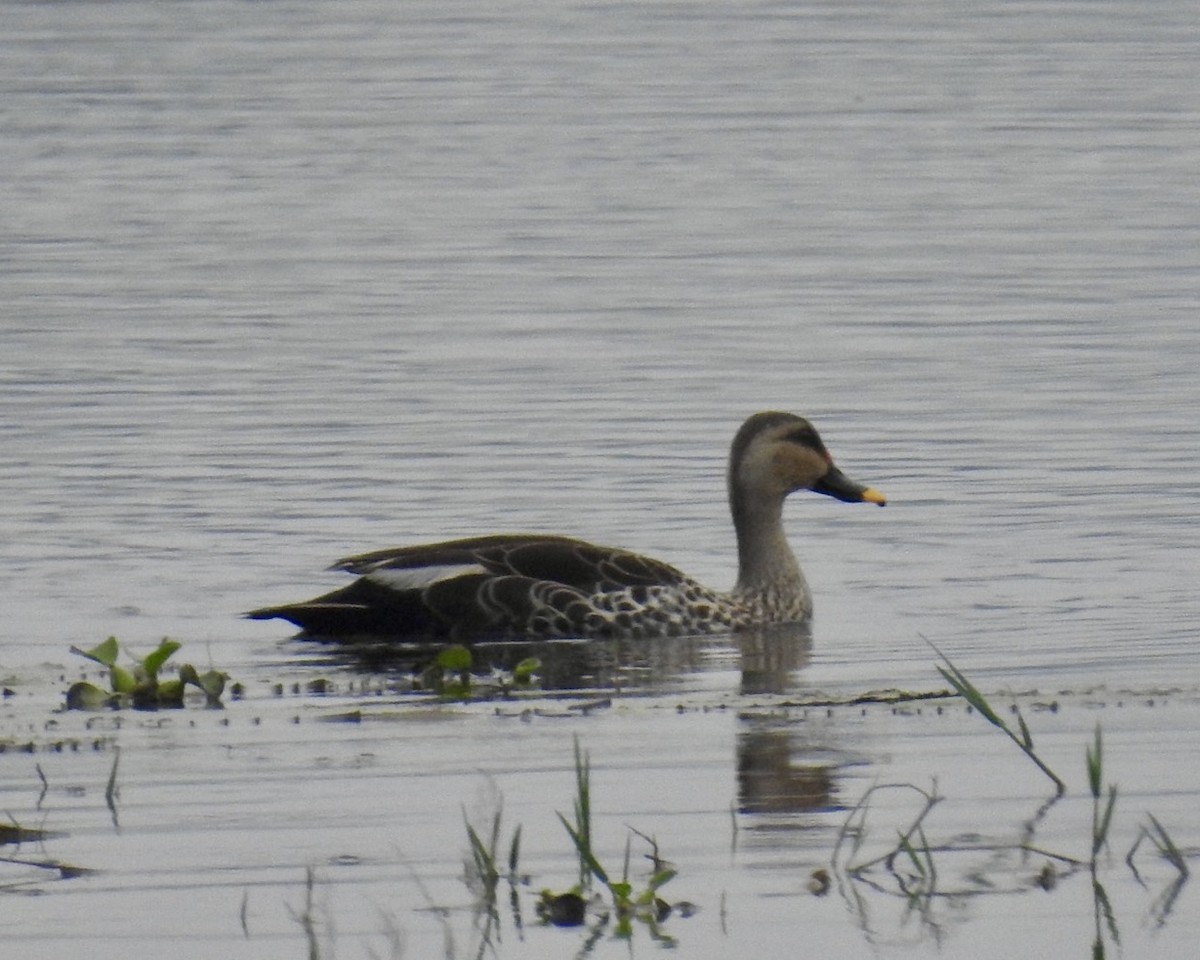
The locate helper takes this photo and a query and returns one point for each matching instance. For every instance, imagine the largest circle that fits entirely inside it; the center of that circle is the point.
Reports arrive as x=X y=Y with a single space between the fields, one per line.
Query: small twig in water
x=112 y=791
x=244 y=914
x=306 y=917
x=45 y=785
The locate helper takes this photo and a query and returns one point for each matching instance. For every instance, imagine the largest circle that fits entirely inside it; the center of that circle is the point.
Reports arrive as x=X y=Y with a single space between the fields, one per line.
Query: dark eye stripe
x=806 y=437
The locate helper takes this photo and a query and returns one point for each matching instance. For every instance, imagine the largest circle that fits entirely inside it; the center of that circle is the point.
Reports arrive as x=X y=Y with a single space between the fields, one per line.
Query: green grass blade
x=1026 y=737
x=1104 y=909
x=586 y=858
x=514 y=851
x=582 y=832
x=969 y=692
x=484 y=858
x=1095 y=764
x=905 y=845
x=930 y=867
x=1105 y=821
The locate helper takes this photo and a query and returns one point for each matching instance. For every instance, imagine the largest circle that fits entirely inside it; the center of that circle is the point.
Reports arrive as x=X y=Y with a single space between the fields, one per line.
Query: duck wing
x=480 y=588
x=558 y=560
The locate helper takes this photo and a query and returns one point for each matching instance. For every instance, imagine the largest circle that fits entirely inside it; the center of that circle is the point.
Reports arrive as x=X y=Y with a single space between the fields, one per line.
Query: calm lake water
x=288 y=281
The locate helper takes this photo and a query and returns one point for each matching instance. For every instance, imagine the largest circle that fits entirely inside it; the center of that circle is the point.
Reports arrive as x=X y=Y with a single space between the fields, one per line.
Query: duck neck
x=766 y=564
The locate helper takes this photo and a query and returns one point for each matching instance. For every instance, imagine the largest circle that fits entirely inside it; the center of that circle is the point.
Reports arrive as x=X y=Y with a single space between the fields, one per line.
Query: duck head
x=775 y=454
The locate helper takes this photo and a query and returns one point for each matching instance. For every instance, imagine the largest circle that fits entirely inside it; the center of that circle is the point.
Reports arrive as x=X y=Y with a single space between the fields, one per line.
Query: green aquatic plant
x=491 y=862
x=581 y=831
x=1102 y=810
x=485 y=870
x=1103 y=805
x=629 y=904
x=484 y=854
x=140 y=685
x=450 y=675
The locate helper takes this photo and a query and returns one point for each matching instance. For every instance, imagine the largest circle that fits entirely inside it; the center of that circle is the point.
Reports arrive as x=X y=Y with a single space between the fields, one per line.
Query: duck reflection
x=767 y=659
x=774 y=778
x=772 y=655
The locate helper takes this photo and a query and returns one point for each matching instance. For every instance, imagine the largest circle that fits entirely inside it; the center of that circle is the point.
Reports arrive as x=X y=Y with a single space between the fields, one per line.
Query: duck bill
x=839 y=486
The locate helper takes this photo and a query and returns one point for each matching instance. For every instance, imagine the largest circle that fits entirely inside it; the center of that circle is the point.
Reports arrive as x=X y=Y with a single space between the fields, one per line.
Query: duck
x=531 y=586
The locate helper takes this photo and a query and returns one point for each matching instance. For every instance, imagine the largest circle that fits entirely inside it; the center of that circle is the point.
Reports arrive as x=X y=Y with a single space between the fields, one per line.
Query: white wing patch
x=418 y=578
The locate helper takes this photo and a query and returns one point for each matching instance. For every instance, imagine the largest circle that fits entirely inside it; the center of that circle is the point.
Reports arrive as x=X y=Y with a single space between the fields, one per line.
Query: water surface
x=284 y=282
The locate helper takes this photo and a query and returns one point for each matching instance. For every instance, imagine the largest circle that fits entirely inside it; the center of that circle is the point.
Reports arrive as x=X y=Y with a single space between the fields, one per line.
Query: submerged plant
x=140 y=685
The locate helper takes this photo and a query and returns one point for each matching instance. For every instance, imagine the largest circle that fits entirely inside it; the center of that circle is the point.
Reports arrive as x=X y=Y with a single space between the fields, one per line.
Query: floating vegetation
x=451 y=676
x=139 y=685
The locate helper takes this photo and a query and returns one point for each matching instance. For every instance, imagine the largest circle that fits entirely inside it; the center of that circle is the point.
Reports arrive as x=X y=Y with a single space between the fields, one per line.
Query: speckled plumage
x=511 y=586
